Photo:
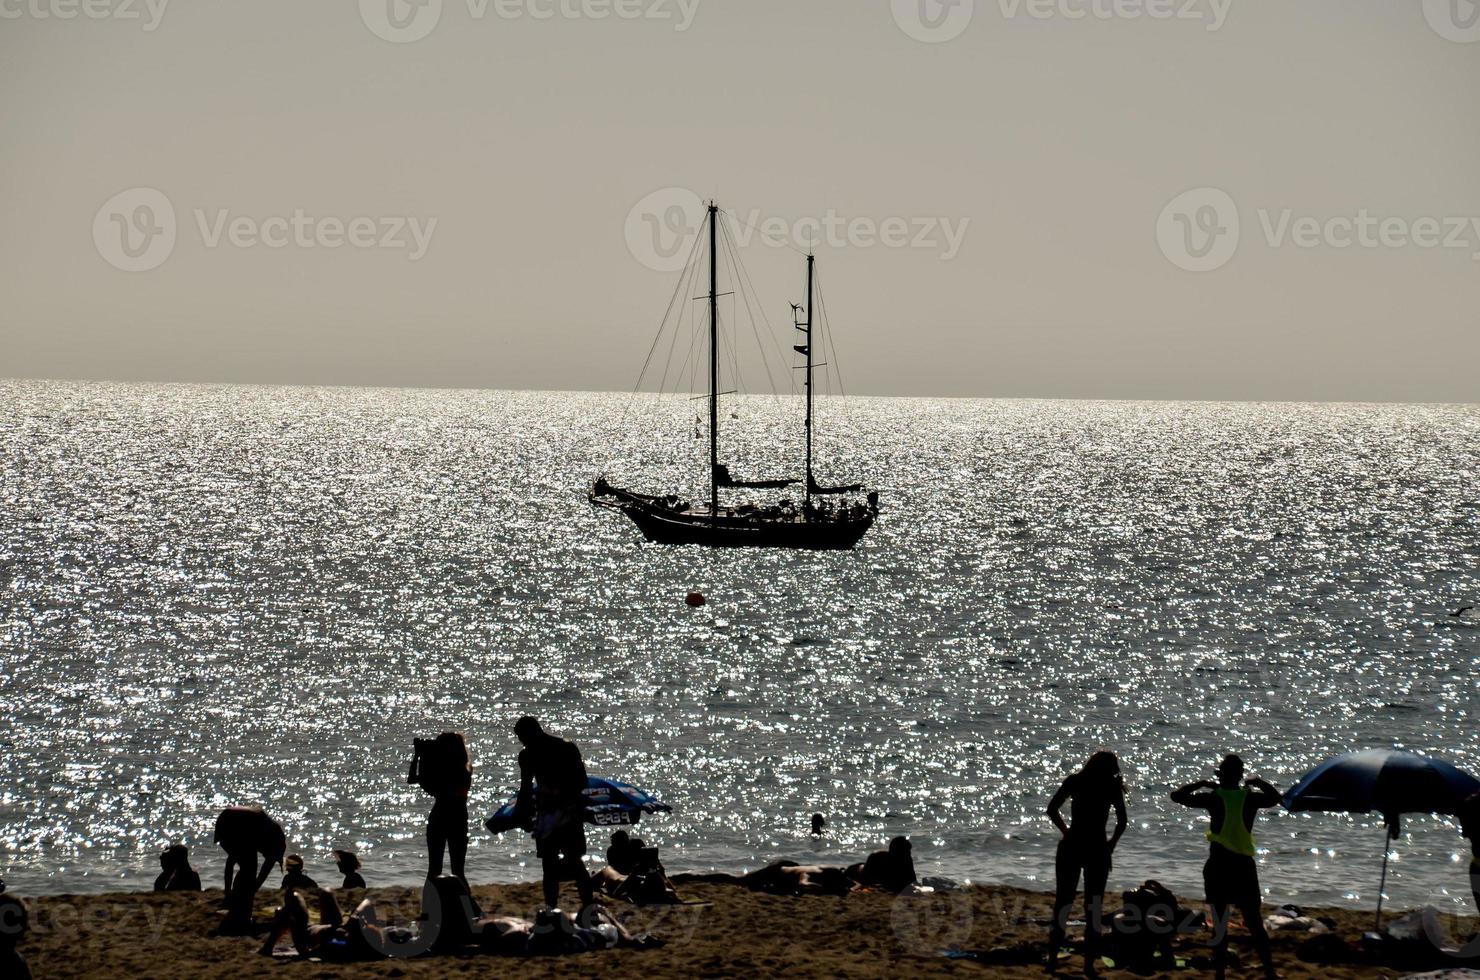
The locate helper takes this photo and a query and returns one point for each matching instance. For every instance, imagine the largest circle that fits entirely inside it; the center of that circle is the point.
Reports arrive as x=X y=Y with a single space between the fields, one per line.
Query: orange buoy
x=695 y=599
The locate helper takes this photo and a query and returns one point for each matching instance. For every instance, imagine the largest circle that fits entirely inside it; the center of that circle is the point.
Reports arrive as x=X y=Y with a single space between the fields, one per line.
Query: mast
x=811 y=263
x=713 y=365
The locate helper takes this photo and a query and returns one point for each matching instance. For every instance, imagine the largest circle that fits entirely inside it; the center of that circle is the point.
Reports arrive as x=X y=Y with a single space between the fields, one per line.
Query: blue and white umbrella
x=609 y=803
x=1391 y=783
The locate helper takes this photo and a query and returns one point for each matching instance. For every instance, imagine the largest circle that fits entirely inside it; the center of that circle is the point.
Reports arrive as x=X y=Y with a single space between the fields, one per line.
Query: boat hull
x=664 y=525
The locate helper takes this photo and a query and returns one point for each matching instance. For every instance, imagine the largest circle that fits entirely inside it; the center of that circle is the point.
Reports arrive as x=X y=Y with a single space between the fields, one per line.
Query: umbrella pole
x=1382 y=886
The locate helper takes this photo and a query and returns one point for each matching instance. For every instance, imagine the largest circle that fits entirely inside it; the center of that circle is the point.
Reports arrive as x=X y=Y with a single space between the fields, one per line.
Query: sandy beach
x=736 y=933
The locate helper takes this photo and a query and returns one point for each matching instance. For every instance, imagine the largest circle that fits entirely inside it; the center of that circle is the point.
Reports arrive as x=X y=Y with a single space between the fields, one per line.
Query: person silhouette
x=15 y=922
x=1469 y=816
x=552 y=786
x=1084 y=849
x=176 y=874
x=818 y=824
x=443 y=767
x=1230 y=876
x=244 y=832
x=294 y=876
x=349 y=865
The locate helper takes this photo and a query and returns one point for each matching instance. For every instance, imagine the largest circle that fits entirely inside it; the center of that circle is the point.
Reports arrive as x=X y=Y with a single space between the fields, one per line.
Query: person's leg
x=1066 y=870
x=1253 y=914
x=550 y=868
x=457 y=852
x=583 y=881
x=1222 y=916
x=436 y=840
x=1096 y=875
x=230 y=866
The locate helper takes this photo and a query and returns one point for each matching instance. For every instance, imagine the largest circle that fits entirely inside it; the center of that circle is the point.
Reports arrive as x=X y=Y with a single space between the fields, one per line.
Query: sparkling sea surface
x=214 y=595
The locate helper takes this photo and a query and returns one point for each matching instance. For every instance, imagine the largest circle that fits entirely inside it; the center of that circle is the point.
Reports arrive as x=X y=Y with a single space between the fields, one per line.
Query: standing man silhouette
x=552 y=785
x=1230 y=876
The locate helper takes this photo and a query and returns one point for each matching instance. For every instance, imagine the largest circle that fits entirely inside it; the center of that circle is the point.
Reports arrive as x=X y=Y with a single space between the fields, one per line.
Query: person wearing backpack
x=443 y=767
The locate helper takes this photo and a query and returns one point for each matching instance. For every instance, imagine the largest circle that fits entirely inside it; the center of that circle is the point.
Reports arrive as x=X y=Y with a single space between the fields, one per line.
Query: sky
x=1146 y=199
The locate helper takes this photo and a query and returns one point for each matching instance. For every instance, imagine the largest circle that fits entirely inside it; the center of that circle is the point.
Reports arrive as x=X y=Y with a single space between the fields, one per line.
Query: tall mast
x=713 y=364
x=811 y=263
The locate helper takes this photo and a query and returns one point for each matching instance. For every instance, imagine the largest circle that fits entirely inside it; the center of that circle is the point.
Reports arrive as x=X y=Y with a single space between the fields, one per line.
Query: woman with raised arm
x=1084 y=849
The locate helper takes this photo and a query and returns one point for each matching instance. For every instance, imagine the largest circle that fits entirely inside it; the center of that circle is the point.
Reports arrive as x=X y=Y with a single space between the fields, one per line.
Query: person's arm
x=1265 y=795
x=412 y=775
x=1056 y=804
x=524 y=802
x=1189 y=795
x=267 y=863
x=1120 y=817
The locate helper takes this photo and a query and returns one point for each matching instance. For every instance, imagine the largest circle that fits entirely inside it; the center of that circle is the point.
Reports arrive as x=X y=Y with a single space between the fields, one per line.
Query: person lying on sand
x=892 y=870
x=176 y=874
x=557 y=933
x=783 y=878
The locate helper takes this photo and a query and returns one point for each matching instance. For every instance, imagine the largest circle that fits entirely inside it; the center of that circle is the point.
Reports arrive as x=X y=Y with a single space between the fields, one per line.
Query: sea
x=215 y=595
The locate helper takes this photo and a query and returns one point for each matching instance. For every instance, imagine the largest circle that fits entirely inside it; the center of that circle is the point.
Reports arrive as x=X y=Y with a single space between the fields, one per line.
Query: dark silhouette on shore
x=443 y=767
x=1230 y=876
x=1083 y=849
x=819 y=824
x=15 y=922
x=294 y=876
x=892 y=869
x=243 y=833
x=552 y=786
x=176 y=874
x=348 y=863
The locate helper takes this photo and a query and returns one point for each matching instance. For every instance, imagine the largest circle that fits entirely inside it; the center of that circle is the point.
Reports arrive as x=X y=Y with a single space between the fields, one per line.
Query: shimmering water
x=212 y=595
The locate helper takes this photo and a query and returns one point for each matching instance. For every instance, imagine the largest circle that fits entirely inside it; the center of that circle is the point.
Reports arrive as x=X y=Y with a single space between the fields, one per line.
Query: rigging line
x=758 y=231
x=734 y=252
x=684 y=283
x=770 y=329
x=833 y=351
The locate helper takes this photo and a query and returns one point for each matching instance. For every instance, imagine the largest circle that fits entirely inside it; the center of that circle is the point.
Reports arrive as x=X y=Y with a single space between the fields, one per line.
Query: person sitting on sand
x=349 y=865
x=15 y=922
x=891 y=870
x=294 y=876
x=359 y=938
x=552 y=800
x=1083 y=849
x=624 y=852
x=782 y=878
x=244 y=832
x=176 y=874
x=1469 y=817
x=1230 y=876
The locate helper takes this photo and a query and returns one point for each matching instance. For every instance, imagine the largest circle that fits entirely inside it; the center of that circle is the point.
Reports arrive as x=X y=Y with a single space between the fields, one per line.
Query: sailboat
x=830 y=518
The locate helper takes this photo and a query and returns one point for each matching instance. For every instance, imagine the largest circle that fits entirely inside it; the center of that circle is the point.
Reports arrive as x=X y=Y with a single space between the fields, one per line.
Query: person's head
x=1469 y=817
x=528 y=730
x=900 y=847
x=293 y=864
x=818 y=822
x=346 y=861
x=1230 y=772
x=620 y=838
x=176 y=856
x=1103 y=769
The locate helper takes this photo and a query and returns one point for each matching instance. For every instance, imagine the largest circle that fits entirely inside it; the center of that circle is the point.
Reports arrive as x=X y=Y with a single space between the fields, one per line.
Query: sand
x=739 y=933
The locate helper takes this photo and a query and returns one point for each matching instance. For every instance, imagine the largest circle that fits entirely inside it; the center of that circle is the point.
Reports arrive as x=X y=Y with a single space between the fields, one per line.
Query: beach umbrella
x=609 y=803
x=1391 y=783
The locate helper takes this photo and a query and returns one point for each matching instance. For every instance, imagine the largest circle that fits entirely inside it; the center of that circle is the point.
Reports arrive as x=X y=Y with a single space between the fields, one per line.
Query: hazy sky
x=1006 y=182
